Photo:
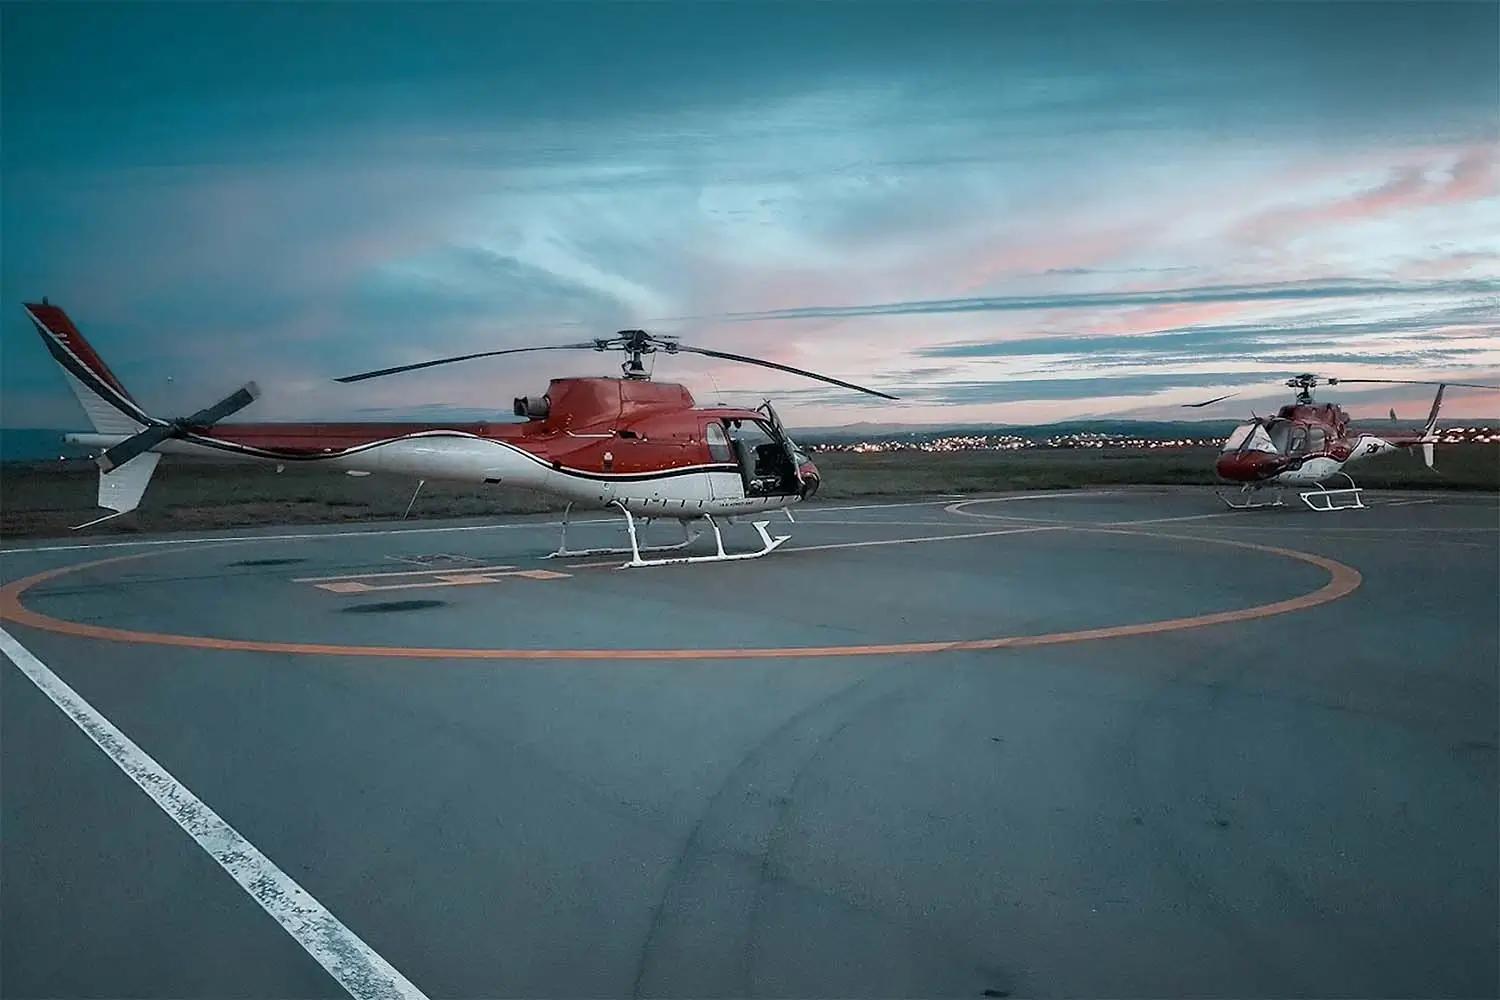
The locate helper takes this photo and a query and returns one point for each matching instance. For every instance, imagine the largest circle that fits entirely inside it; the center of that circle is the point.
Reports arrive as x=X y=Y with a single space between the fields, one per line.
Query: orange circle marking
x=1343 y=580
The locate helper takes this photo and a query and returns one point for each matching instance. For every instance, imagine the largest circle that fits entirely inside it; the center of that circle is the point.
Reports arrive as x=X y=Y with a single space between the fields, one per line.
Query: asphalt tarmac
x=1121 y=743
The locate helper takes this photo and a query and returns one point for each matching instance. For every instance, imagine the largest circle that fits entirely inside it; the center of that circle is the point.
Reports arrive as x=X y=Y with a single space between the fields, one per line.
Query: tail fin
x=109 y=407
x=1429 y=429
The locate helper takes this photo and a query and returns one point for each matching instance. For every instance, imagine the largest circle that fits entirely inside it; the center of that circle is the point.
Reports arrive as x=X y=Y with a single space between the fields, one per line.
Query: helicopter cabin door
x=761 y=456
x=793 y=482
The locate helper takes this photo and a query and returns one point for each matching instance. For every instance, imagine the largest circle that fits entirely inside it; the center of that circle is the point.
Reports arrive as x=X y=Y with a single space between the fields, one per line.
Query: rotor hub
x=1304 y=384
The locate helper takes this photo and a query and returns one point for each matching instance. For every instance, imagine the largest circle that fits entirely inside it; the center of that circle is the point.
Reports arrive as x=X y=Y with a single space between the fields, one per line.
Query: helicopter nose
x=1244 y=468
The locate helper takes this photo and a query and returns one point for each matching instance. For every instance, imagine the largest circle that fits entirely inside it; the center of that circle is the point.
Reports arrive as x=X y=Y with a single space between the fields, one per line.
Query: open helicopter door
x=784 y=439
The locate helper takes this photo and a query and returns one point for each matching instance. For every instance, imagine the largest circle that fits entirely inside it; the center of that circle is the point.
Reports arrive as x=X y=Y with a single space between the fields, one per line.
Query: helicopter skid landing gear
x=769 y=544
x=563 y=552
x=1343 y=498
x=1248 y=499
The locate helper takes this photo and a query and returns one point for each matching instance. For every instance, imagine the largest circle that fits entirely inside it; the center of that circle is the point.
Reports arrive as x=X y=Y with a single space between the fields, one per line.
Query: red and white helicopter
x=642 y=447
x=1307 y=443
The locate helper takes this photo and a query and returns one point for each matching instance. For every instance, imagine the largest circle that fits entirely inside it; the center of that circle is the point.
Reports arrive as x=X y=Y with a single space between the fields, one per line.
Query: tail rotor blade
x=135 y=445
x=233 y=403
x=157 y=433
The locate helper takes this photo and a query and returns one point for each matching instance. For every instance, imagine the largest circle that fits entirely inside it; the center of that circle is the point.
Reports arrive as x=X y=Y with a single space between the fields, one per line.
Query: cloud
x=915 y=196
x=1471 y=177
x=1235 y=340
x=1268 y=292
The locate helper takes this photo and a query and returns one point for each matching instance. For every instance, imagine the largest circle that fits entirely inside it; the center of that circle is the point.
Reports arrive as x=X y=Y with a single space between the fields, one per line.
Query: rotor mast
x=638 y=344
x=1304 y=384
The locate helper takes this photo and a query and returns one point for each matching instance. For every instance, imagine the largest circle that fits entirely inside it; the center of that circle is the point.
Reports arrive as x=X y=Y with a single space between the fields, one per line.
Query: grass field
x=47 y=498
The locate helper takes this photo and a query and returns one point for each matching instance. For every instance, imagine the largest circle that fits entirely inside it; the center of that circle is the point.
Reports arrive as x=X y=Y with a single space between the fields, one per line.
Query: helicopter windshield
x=1249 y=437
x=1291 y=438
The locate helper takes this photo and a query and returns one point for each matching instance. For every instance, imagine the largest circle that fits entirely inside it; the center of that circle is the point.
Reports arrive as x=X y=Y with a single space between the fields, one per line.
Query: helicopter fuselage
x=598 y=441
x=1304 y=444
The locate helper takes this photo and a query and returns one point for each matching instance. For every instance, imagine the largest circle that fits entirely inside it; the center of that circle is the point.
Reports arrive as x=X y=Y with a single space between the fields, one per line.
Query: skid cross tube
x=1323 y=499
x=768 y=544
x=1249 y=498
x=563 y=552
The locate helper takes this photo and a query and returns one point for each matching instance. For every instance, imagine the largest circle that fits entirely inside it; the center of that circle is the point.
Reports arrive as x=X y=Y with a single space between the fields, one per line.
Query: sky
x=998 y=212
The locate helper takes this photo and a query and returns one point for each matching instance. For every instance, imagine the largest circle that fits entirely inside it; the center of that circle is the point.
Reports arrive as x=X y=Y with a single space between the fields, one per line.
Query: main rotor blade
x=590 y=346
x=137 y=444
x=779 y=367
x=1408 y=381
x=233 y=403
x=1210 y=402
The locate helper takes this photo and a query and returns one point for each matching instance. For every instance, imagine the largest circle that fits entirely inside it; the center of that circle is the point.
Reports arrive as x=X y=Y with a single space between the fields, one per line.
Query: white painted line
x=1280 y=529
x=358 y=969
x=928 y=538
x=1408 y=503
x=877 y=506
x=1066 y=495
x=1169 y=520
x=614 y=564
x=958 y=508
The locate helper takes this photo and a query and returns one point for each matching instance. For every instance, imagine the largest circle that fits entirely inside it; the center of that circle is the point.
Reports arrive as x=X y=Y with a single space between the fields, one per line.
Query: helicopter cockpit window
x=1237 y=437
x=718 y=444
x=1298 y=441
x=1281 y=435
x=1316 y=439
x=1250 y=437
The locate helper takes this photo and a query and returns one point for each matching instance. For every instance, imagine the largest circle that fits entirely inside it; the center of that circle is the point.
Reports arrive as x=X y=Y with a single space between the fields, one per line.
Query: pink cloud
x=1474 y=177
x=1471 y=177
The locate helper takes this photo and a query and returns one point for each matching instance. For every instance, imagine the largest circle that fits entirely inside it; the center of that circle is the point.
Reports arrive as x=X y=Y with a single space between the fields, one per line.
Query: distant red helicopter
x=1308 y=443
x=642 y=447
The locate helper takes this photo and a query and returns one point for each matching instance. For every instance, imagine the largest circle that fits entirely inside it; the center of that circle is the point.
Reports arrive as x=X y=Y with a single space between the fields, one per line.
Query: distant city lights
x=1016 y=442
